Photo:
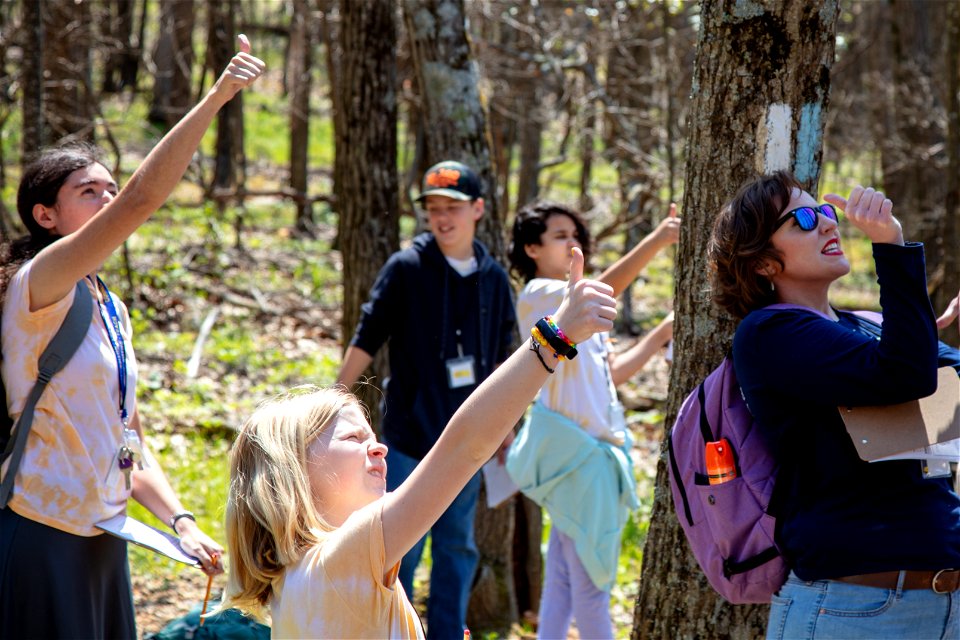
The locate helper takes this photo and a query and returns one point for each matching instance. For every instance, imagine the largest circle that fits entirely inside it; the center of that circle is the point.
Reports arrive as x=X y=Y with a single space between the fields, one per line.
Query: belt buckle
x=936 y=576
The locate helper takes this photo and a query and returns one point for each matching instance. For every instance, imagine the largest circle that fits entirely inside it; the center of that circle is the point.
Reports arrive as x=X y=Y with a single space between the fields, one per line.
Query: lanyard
x=111 y=321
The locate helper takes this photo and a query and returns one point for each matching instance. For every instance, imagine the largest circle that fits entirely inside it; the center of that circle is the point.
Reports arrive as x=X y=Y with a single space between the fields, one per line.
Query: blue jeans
x=454 y=553
x=831 y=609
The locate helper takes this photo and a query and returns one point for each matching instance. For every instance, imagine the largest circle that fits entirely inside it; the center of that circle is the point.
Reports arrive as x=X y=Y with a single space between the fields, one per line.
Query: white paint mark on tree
x=778 y=146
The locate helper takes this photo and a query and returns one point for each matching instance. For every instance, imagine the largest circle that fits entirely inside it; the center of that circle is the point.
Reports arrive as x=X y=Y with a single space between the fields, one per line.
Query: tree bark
x=300 y=82
x=761 y=82
x=228 y=173
x=951 y=231
x=35 y=135
x=66 y=71
x=454 y=116
x=912 y=170
x=365 y=169
x=123 y=57
x=173 y=58
x=455 y=129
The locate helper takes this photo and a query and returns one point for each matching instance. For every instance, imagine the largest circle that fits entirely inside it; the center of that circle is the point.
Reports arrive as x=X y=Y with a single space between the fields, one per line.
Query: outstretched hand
x=871 y=212
x=242 y=71
x=588 y=305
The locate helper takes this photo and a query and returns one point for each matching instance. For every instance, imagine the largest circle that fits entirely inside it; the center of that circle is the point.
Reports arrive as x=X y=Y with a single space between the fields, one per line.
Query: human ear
x=767 y=269
x=532 y=251
x=44 y=216
x=477 y=209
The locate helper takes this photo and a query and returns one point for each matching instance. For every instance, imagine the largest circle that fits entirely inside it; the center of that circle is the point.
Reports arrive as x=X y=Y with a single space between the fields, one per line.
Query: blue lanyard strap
x=111 y=321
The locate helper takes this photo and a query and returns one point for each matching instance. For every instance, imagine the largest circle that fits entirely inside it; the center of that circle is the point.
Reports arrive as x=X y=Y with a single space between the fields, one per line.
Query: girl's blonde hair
x=271 y=518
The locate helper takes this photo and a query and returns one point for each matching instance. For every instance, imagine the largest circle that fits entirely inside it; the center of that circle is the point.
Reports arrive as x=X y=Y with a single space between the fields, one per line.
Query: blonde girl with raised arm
x=313 y=534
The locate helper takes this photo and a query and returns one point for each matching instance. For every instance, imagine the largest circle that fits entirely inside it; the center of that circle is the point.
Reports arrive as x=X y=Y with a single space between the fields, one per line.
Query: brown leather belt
x=943 y=581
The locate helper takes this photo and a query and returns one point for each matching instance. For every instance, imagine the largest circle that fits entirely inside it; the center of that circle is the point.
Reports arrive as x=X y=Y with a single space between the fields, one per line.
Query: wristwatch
x=177 y=516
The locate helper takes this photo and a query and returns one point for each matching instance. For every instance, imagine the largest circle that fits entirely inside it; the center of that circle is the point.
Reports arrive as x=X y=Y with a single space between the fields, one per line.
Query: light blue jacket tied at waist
x=585 y=484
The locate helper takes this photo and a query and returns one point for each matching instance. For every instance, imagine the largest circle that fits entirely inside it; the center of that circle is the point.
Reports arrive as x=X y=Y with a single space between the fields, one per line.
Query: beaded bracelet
x=536 y=335
x=535 y=347
x=560 y=346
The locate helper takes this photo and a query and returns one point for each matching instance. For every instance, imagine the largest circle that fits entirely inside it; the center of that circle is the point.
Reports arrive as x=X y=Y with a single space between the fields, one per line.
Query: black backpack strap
x=61 y=348
x=705 y=430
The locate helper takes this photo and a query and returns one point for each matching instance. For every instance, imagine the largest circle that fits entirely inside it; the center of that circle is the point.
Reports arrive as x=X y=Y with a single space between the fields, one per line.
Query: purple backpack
x=729 y=526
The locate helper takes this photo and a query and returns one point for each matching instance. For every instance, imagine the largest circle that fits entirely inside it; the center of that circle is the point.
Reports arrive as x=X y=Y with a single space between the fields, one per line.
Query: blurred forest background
x=251 y=279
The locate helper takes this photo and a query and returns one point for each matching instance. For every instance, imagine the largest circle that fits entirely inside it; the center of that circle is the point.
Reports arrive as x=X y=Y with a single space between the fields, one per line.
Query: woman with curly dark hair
x=874 y=548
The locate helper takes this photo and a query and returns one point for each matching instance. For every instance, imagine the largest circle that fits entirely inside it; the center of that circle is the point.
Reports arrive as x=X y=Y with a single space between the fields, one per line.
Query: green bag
x=226 y=625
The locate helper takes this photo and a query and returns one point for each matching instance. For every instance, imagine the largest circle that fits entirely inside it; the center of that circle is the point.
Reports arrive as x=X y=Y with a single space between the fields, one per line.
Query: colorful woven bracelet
x=562 y=347
x=559 y=331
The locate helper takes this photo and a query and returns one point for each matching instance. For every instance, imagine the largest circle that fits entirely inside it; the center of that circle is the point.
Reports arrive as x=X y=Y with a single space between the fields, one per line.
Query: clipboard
x=132 y=530
x=887 y=430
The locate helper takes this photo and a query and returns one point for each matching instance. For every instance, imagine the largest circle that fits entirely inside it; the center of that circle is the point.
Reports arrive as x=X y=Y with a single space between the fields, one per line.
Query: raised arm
x=624 y=365
x=58 y=267
x=482 y=421
x=621 y=273
x=355 y=362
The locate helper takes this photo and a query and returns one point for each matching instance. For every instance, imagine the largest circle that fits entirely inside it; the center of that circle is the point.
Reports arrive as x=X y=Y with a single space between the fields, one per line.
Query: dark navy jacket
x=419 y=303
x=836 y=514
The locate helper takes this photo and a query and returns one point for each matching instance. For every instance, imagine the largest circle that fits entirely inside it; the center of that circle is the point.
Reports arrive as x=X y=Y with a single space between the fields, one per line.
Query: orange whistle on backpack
x=720 y=465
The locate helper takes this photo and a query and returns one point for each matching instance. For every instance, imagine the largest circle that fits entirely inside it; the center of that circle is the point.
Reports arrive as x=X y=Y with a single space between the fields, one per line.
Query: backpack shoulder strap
x=56 y=355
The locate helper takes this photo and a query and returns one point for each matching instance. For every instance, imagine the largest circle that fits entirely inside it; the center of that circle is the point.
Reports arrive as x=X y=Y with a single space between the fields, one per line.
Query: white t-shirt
x=76 y=432
x=337 y=590
x=582 y=388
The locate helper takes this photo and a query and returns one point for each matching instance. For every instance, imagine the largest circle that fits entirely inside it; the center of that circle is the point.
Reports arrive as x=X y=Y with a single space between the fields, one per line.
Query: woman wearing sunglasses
x=874 y=548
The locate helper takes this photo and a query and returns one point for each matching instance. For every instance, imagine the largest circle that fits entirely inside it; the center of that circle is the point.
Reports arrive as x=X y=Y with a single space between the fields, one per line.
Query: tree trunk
x=120 y=68
x=173 y=58
x=228 y=174
x=529 y=99
x=299 y=82
x=66 y=70
x=365 y=169
x=951 y=231
x=35 y=134
x=449 y=86
x=912 y=170
x=760 y=91
x=455 y=129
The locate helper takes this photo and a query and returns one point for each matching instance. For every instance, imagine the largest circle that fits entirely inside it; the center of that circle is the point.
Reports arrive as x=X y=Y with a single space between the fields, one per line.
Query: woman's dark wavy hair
x=740 y=243
x=529 y=226
x=40 y=184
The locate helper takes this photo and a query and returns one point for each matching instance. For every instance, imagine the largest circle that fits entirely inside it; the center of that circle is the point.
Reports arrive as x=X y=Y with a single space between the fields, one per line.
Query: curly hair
x=740 y=243
x=528 y=228
x=271 y=517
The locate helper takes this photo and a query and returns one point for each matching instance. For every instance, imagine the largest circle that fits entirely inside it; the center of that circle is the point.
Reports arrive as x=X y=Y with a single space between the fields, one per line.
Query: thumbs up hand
x=242 y=71
x=588 y=305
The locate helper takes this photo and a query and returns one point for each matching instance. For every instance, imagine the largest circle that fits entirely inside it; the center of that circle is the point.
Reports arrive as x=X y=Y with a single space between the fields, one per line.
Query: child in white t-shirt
x=312 y=531
x=572 y=455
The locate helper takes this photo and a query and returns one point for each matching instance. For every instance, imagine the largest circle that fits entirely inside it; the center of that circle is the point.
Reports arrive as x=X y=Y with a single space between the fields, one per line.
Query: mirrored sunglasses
x=806 y=217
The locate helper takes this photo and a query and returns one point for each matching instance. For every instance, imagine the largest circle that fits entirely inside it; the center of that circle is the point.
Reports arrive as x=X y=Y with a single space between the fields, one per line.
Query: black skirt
x=54 y=584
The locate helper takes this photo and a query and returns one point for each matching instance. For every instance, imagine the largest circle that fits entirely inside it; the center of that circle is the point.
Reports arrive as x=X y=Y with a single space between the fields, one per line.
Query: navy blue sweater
x=836 y=514
x=419 y=303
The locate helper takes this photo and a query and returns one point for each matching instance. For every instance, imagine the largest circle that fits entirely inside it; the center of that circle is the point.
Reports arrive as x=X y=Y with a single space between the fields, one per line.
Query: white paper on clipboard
x=132 y=530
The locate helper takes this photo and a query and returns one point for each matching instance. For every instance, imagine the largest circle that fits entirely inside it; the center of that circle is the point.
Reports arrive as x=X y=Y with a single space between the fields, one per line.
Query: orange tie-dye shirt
x=337 y=590
x=63 y=477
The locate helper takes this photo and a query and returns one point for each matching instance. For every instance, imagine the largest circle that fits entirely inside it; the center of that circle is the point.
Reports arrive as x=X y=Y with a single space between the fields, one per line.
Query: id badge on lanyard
x=461 y=371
